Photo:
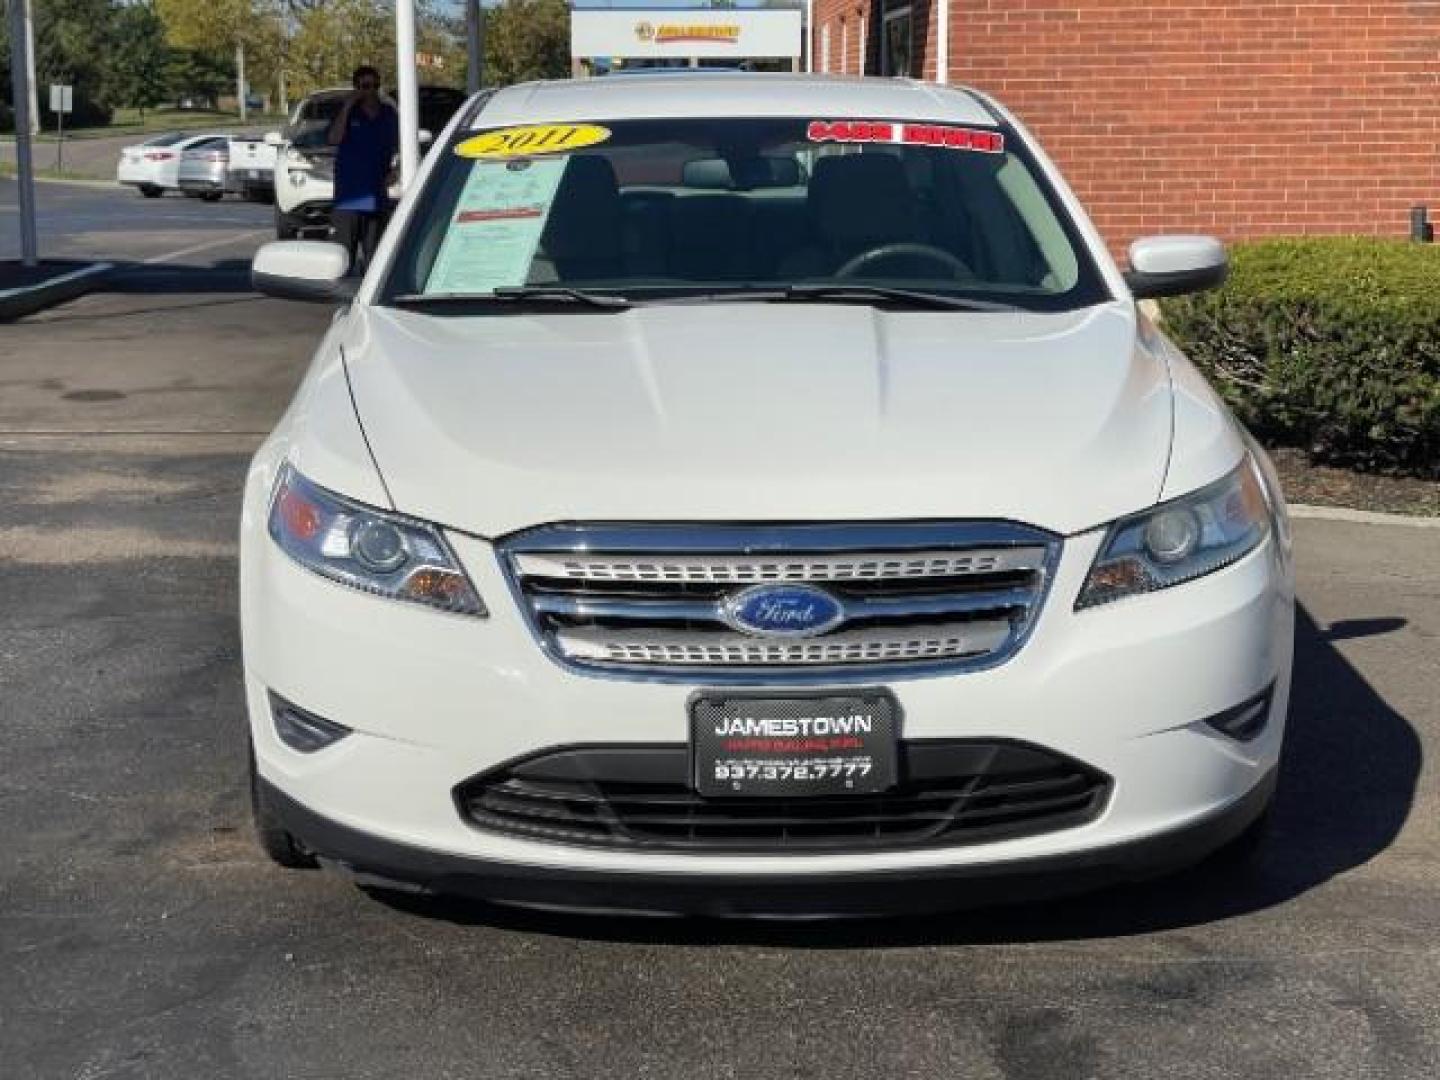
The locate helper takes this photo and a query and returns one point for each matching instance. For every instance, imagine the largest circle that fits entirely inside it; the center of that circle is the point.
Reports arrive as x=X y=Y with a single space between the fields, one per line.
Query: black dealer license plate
x=786 y=747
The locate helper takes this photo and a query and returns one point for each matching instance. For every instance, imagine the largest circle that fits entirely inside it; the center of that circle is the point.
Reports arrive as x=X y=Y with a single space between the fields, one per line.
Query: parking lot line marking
x=156 y=260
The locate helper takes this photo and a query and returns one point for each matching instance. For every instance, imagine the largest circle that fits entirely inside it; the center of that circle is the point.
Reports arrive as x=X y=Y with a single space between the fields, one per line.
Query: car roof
x=724 y=93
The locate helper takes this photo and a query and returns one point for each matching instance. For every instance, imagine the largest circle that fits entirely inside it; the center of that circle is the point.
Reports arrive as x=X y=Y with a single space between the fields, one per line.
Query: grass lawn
x=8 y=172
x=128 y=122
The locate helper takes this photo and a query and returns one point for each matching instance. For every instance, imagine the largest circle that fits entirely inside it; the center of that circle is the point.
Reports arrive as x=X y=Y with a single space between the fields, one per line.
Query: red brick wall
x=1239 y=117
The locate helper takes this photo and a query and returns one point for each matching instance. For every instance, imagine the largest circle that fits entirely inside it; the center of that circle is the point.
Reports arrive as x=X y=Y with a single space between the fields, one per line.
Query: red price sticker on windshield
x=945 y=136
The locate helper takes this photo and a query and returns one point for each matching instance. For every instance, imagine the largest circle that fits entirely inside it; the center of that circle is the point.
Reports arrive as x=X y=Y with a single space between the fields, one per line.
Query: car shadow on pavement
x=1347 y=781
x=223 y=276
x=157 y=288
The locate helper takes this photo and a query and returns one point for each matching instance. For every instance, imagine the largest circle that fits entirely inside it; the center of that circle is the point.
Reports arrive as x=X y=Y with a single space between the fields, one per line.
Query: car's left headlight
x=1181 y=540
x=368 y=549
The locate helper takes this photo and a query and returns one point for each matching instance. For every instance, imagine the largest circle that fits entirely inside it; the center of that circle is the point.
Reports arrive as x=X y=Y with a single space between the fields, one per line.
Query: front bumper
x=374 y=861
x=251 y=180
x=435 y=699
x=307 y=215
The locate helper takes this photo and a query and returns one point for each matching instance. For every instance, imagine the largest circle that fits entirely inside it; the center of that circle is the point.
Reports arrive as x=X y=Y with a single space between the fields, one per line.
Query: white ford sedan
x=756 y=495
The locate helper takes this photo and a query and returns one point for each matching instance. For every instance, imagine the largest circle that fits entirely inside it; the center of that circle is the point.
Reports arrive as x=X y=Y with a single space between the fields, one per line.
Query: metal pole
x=409 y=91
x=24 y=164
x=60 y=134
x=942 y=42
x=240 y=80
x=30 y=71
x=810 y=36
x=474 y=46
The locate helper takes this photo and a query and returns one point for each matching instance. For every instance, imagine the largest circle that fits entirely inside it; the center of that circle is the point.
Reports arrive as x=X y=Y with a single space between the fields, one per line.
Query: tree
x=197 y=74
x=333 y=38
x=71 y=38
x=527 y=39
x=139 y=57
x=248 y=28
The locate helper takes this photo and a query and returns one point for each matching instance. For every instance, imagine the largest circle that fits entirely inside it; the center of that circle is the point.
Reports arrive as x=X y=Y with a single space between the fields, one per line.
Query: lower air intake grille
x=950 y=793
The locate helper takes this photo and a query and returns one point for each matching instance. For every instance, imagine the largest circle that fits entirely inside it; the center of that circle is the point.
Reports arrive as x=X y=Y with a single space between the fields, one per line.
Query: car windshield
x=311 y=128
x=684 y=208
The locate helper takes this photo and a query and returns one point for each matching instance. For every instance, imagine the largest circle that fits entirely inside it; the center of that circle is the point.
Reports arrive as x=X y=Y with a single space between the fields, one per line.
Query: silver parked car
x=205 y=168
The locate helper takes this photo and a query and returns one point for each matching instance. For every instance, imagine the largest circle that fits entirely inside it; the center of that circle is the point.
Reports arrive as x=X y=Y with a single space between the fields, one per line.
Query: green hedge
x=1329 y=344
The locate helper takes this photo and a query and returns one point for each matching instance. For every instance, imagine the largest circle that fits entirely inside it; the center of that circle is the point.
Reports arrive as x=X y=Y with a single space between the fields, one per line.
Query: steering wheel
x=934 y=254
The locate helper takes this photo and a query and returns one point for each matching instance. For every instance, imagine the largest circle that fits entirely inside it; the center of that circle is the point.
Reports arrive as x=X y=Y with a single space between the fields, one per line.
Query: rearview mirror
x=311 y=270
x=1175 y=265
x=273 y=138
x=426 y=136
x=741 y=173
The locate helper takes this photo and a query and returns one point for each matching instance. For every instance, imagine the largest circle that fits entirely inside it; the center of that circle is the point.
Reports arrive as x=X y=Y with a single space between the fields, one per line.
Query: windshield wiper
x=839 y=292
x=846 y=292
x=544 y=293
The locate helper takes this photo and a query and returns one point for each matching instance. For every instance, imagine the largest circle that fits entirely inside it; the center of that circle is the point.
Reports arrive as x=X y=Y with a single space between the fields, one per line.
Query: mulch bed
x=1324 y=485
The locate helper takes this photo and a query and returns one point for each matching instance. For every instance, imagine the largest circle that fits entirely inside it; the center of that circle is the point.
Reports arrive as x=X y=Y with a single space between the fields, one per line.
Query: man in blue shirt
x=366 y=137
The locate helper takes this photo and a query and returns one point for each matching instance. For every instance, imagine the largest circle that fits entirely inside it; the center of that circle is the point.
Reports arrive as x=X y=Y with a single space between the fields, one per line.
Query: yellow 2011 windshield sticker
x=533 y=139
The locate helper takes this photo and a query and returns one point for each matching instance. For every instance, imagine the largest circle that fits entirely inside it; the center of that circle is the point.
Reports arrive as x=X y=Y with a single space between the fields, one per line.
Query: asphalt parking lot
x=143 y=935
x=148 y=238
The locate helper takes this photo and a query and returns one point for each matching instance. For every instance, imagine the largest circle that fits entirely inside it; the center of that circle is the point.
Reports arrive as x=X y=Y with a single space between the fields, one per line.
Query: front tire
x=212 y=196
x=150 y=191
x=282 y=847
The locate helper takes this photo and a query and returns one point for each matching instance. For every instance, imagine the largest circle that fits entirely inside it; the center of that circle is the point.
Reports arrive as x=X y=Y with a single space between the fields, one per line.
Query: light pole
x=475 y=45
x=24 y=164
x=407 y=87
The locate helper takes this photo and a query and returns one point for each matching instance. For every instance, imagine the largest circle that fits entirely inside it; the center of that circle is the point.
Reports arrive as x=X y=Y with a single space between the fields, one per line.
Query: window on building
x=825 y=48
x=897 y=45
x=844 y=47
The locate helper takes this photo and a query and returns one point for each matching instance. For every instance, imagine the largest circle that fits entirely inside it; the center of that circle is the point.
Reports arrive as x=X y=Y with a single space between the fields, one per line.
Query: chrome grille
x=636 y=646
x=648 y=601
x=706 y=568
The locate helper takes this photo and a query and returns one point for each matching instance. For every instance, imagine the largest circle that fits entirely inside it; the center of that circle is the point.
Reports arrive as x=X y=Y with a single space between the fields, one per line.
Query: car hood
x=761 y=412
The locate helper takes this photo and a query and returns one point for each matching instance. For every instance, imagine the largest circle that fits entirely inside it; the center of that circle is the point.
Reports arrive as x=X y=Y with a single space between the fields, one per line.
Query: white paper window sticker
x=495 y=230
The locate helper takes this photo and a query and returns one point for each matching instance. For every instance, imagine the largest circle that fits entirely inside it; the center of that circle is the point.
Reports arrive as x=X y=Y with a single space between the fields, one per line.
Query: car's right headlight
x=368 y=549
x=1181 y=540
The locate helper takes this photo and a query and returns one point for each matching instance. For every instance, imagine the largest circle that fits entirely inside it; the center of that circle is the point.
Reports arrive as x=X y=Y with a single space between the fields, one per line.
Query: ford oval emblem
x=782 y=611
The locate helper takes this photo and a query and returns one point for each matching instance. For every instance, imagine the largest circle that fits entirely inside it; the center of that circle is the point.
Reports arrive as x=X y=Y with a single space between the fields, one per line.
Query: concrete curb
x=17 y=303
x=78 y=181
x=1361 y=517
x=71 y=181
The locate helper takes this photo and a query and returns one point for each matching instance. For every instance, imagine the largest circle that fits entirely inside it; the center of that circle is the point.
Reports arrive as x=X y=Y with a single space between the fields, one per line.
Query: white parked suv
x=304 y=169
x=763 y=497
x=304 y=172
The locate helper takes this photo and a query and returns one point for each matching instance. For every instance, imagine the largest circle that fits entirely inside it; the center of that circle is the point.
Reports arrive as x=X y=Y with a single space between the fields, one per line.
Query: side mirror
x=1175 y=265
x=311 y=270
x=273 y=138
